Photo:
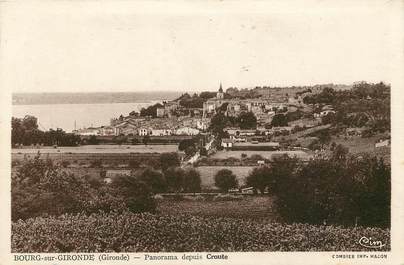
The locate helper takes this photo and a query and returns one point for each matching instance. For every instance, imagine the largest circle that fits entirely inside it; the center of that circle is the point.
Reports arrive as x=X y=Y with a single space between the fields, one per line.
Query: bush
x=225 y=180
x=155 y=180
x=338 y=190
x=259 y=178
x=192 y=180
x=41 y=188
x=175 y=179
x=169 y=160
x=136 y=194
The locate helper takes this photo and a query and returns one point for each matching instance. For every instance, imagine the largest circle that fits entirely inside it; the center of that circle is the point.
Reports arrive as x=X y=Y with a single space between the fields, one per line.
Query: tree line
x=25 y=131
x=340 y=189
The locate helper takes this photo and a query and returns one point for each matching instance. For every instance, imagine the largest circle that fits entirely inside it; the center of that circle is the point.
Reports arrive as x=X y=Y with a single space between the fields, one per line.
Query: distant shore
x=91 y=98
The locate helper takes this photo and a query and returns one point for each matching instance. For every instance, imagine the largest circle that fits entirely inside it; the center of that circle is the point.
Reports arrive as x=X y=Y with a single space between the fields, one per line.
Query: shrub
x=259 y=178
x=169 y=160
x=225 y=180
x=41 y=188
x=192 y=180
x=153 y=179
x=136 y=194
x=175 y=179
x=338 y=190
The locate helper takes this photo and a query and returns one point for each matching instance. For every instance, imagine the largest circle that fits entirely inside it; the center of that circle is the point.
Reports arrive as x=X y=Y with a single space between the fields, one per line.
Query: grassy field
x=265 y=154
x=208 y=174
x=359 y=145
x=249 y=207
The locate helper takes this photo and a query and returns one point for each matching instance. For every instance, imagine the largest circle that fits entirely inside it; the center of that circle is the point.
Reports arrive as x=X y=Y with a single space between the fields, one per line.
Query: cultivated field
x=208 y=174
x=248 y=207
x=130 y=232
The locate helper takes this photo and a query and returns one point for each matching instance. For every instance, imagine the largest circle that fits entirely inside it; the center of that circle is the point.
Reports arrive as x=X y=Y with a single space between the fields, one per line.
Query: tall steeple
x=220 y=94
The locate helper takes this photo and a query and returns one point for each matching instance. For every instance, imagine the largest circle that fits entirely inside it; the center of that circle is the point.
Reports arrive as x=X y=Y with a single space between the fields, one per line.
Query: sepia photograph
x=199 y=127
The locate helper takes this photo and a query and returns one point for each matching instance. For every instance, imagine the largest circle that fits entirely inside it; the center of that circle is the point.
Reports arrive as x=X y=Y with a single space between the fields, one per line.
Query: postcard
x=202 y=132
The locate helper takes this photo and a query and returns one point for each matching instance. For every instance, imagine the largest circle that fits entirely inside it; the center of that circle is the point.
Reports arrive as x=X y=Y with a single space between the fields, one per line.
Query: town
x=312 y=155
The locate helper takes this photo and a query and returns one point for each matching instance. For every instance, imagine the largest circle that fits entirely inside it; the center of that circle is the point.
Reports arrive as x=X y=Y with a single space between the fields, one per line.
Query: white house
x=161 y=132
x=186 y=131
x=143 y=131
x=227 y=143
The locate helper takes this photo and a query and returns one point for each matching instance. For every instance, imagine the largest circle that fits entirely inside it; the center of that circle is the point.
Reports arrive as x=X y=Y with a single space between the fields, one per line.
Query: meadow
x=246 y=207
x=208 y=174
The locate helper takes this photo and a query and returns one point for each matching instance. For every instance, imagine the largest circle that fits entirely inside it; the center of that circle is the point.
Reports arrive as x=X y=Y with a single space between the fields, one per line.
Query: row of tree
x=363 y=105
x=340 y=189
x=25 y=131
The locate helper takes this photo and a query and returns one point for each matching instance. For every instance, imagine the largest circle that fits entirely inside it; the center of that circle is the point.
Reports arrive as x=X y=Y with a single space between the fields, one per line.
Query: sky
x=90 y=46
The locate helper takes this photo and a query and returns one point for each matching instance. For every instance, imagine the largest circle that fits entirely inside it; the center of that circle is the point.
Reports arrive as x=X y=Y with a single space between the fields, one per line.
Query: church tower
x=220 y=94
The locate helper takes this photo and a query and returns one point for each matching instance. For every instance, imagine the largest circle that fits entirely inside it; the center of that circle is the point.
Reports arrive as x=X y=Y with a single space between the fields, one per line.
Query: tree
x=218 y=122
x=151 y=110
x=175 y=178
x=247 y=120
x=330 y=118
x=207 y=95
x=42 y=188
x=146 y=139
x=154 y=179
x=169 y=160
x=279 y=120
x=190 y=151
x=192 y=180
x=136 y=194
x=258 y=178
x=225 y=180
x=93 y=140
x=184 y=144
x=324 y=137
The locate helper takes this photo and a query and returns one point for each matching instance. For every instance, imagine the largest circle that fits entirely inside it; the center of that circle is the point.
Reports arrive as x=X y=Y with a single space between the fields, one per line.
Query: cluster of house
x=140 y=126
x=263 y=108
x=173 y=119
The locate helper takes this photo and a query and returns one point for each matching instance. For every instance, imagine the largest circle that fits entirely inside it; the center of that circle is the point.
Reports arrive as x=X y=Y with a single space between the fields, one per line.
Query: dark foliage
x=25 y=131
x=151 y=110
x=225 y=180
x=169 y=160
x=279 y=120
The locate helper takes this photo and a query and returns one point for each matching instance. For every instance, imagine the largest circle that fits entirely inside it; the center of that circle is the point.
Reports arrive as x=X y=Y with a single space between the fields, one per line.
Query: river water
x=69 y=116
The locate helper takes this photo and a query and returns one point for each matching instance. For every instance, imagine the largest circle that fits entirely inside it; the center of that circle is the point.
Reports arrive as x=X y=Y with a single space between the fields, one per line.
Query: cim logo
x=370 y=243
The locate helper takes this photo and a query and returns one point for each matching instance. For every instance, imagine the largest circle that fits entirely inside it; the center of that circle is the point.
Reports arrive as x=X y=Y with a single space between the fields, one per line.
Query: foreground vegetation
x=130 y=232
